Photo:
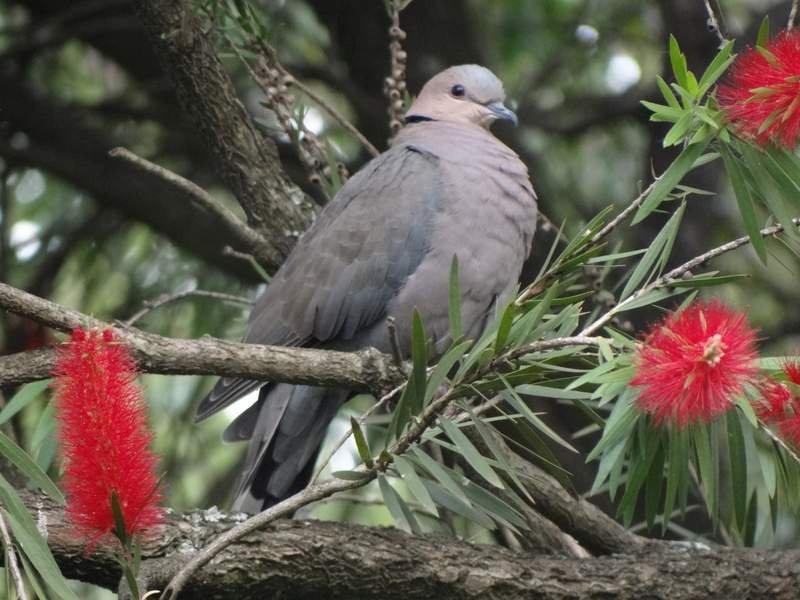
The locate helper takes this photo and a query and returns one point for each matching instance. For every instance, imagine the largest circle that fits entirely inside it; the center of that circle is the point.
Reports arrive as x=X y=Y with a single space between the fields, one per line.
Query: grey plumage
x=381 y=248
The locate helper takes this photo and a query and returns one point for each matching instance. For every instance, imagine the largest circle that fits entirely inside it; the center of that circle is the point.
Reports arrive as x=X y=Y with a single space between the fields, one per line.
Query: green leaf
x=677 y=132
x=705 y=466
x=471 y=453
x=664 y=113
x=511 y=396
x=454 y=302
x=607 y=462
x=620 y=424
x=658 y=251
x=670 y=178
x=766 y=460
x=361 y=443
x=419 y=358
x=678 y=61
x=119 y=520
x=738 y=463
x=763 y=177
x=27 y=394
x=414 y=483
x=31 y=542
x=439 y=473
x=762 y=39
x=499 y=456
x=444 y=498
x=648 y=298
x=19 y=458
x=505 y=327
x=443 y=367
x=716 y=68
x=638 y=471
x=494 y=506
x=654 y=483
x=399 y=510
x=667 y=93
x=350 y=475
x=44 y=426
x=32 y=578
x=677 y=471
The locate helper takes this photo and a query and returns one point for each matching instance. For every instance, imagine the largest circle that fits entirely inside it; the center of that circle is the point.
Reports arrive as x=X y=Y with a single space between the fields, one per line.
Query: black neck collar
x=416 y=119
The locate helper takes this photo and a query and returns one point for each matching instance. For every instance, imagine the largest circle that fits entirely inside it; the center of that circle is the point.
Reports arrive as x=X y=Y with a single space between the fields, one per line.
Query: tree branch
x=246 y=160
x=367 y=370
x=202 y=199
x=309 y=559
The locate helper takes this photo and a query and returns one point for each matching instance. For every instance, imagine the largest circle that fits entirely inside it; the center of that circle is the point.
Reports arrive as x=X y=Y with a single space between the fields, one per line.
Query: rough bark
x=367 y=370
x=317 y=560
x=246 y=161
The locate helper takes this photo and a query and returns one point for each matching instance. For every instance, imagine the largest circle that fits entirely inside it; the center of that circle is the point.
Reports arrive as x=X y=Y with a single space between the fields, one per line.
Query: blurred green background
x=79 y=78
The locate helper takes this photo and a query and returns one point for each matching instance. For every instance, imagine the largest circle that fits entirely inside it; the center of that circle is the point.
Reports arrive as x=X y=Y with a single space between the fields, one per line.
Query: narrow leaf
x=27 y=394
x=670 y=178
x=762 y=39
x=399 y=510
x=361 y=443
x=31 y=542
x=454 y=307
x=414 y=483
x=738 y=463
x=471 y=453
x=19 y=458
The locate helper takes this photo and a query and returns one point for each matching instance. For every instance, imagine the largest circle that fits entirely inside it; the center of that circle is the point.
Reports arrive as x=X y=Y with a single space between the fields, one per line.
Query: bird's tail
x=286 y=426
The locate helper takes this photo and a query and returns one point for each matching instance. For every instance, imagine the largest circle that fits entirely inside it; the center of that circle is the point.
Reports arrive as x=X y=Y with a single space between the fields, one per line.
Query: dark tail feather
x=288 y=432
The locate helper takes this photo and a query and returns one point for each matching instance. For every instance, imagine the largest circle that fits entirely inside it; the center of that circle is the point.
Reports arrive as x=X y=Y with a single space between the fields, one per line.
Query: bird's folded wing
x=353 y=260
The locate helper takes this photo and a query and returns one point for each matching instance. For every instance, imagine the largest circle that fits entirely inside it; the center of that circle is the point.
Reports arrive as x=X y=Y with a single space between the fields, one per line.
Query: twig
x=11 y=553
x=713 y=24
x=274 y=81
x=337 y=116
x=624 y=214
x=394 y=342
x=394 y=86
x=779 y=441
x=202 y=199
x=677 y=273
x=792 y=15
x=578 y=340
x=152 y=305
x=361 y=420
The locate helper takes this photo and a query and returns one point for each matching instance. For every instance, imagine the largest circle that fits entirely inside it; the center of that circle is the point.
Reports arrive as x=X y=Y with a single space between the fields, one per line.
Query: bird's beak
x=500 y=111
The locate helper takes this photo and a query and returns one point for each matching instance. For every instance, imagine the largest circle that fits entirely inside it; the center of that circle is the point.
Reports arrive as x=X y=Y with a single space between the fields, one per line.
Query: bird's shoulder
x=356 y=255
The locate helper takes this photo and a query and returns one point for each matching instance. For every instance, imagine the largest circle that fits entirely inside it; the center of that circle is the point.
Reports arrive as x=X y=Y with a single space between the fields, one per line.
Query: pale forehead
x=478 y=80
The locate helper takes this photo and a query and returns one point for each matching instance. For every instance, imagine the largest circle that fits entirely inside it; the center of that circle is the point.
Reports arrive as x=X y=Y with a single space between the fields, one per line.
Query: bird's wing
x=354 y=259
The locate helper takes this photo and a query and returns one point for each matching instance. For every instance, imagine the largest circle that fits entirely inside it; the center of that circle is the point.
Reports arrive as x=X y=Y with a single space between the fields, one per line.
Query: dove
x=381 y=248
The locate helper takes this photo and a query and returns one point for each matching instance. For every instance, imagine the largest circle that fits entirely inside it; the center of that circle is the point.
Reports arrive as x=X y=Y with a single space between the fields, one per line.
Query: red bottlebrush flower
x=692 y=365
x=761 y=95
x=780 y=406
x=105 y=440
x=771 y=406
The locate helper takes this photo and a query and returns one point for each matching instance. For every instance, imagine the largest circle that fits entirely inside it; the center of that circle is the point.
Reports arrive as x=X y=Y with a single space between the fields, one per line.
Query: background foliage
x=576 y=69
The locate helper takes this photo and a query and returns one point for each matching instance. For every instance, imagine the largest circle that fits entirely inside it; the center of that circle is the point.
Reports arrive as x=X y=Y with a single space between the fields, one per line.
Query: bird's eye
x=457 y=90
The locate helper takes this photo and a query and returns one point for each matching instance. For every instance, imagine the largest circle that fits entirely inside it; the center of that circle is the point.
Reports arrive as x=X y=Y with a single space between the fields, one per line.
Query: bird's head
x=462 y=94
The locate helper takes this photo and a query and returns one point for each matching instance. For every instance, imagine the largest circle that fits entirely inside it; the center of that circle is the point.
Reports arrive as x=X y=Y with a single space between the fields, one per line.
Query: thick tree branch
x=307 y=559
x=247 y=161
x=367 y=370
